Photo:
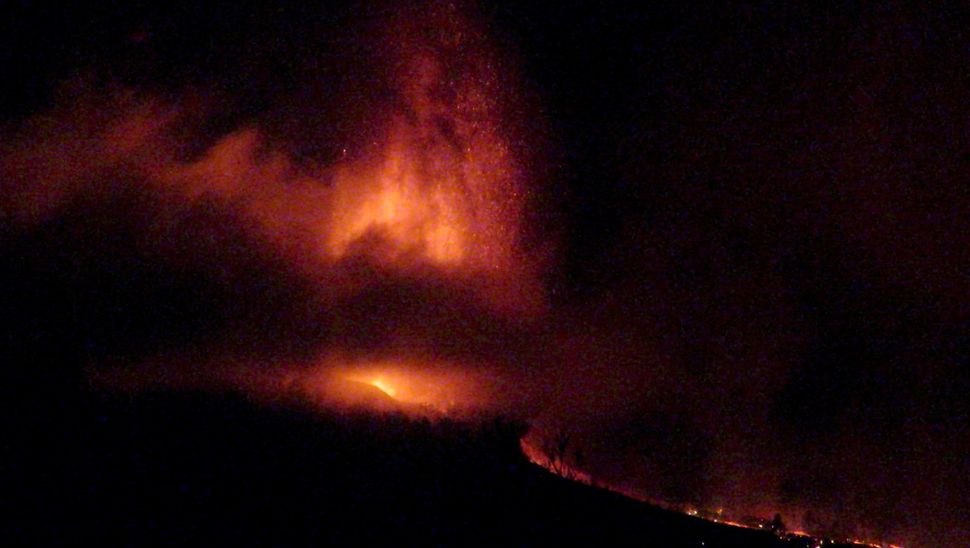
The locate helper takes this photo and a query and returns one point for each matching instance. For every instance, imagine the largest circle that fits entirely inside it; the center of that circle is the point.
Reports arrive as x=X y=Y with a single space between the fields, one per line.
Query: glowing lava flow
x=397 y=385
x=383 y=386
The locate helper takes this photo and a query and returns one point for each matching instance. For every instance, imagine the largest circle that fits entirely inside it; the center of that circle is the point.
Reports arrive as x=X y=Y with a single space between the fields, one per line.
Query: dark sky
x=760 y=212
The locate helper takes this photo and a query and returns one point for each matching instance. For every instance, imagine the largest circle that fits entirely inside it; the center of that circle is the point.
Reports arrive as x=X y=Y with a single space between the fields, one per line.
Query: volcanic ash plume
x=403 y=252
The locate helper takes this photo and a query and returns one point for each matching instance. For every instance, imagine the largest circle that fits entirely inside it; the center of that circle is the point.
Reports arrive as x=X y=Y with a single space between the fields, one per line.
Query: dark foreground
x=177 y=469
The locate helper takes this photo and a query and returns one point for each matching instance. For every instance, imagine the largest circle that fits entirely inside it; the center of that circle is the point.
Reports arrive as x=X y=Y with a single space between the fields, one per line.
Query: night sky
x=747 y=224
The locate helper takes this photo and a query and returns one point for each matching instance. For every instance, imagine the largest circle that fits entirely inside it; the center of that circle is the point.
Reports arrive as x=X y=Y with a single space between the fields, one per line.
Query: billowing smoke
x=360 y=196
x=412 y=226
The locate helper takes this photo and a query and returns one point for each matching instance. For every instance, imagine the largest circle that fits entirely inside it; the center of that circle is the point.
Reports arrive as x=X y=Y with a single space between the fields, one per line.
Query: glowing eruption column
x=406 y=209
x=443 y=186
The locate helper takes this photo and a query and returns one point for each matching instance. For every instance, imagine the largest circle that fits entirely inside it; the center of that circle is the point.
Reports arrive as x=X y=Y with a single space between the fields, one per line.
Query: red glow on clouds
x=434 y=196
x=438 y=192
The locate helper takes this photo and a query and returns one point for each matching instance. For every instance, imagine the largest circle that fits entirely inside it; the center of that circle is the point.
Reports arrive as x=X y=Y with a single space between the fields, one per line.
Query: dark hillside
x=193 y=468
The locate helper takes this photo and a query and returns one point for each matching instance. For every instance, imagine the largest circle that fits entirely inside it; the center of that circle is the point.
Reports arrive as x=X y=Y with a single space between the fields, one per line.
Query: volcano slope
x=182 y=467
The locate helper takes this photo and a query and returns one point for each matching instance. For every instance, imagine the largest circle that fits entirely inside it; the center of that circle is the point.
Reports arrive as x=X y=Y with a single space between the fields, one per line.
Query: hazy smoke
x=385 y=209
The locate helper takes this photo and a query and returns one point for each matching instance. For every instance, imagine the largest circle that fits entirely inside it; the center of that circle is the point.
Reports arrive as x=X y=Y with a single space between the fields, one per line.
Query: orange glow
x=432 y=182
x=416 y=386
x=531 y=445
x=403 y=385
x=383 y=386
x=399 y=211
x=532 y=448
x=443 y=186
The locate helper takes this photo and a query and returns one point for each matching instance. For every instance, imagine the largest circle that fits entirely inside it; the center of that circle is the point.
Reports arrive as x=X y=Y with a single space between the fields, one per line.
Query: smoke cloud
x=740 y=310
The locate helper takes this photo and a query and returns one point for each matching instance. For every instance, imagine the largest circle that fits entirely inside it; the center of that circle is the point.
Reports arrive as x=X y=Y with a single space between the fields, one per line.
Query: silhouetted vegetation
x=777 y=525
x=556 y=451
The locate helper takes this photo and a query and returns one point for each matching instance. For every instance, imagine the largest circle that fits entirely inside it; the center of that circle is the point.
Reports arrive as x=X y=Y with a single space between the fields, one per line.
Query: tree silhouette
x=556 y=451
x=777 y=526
